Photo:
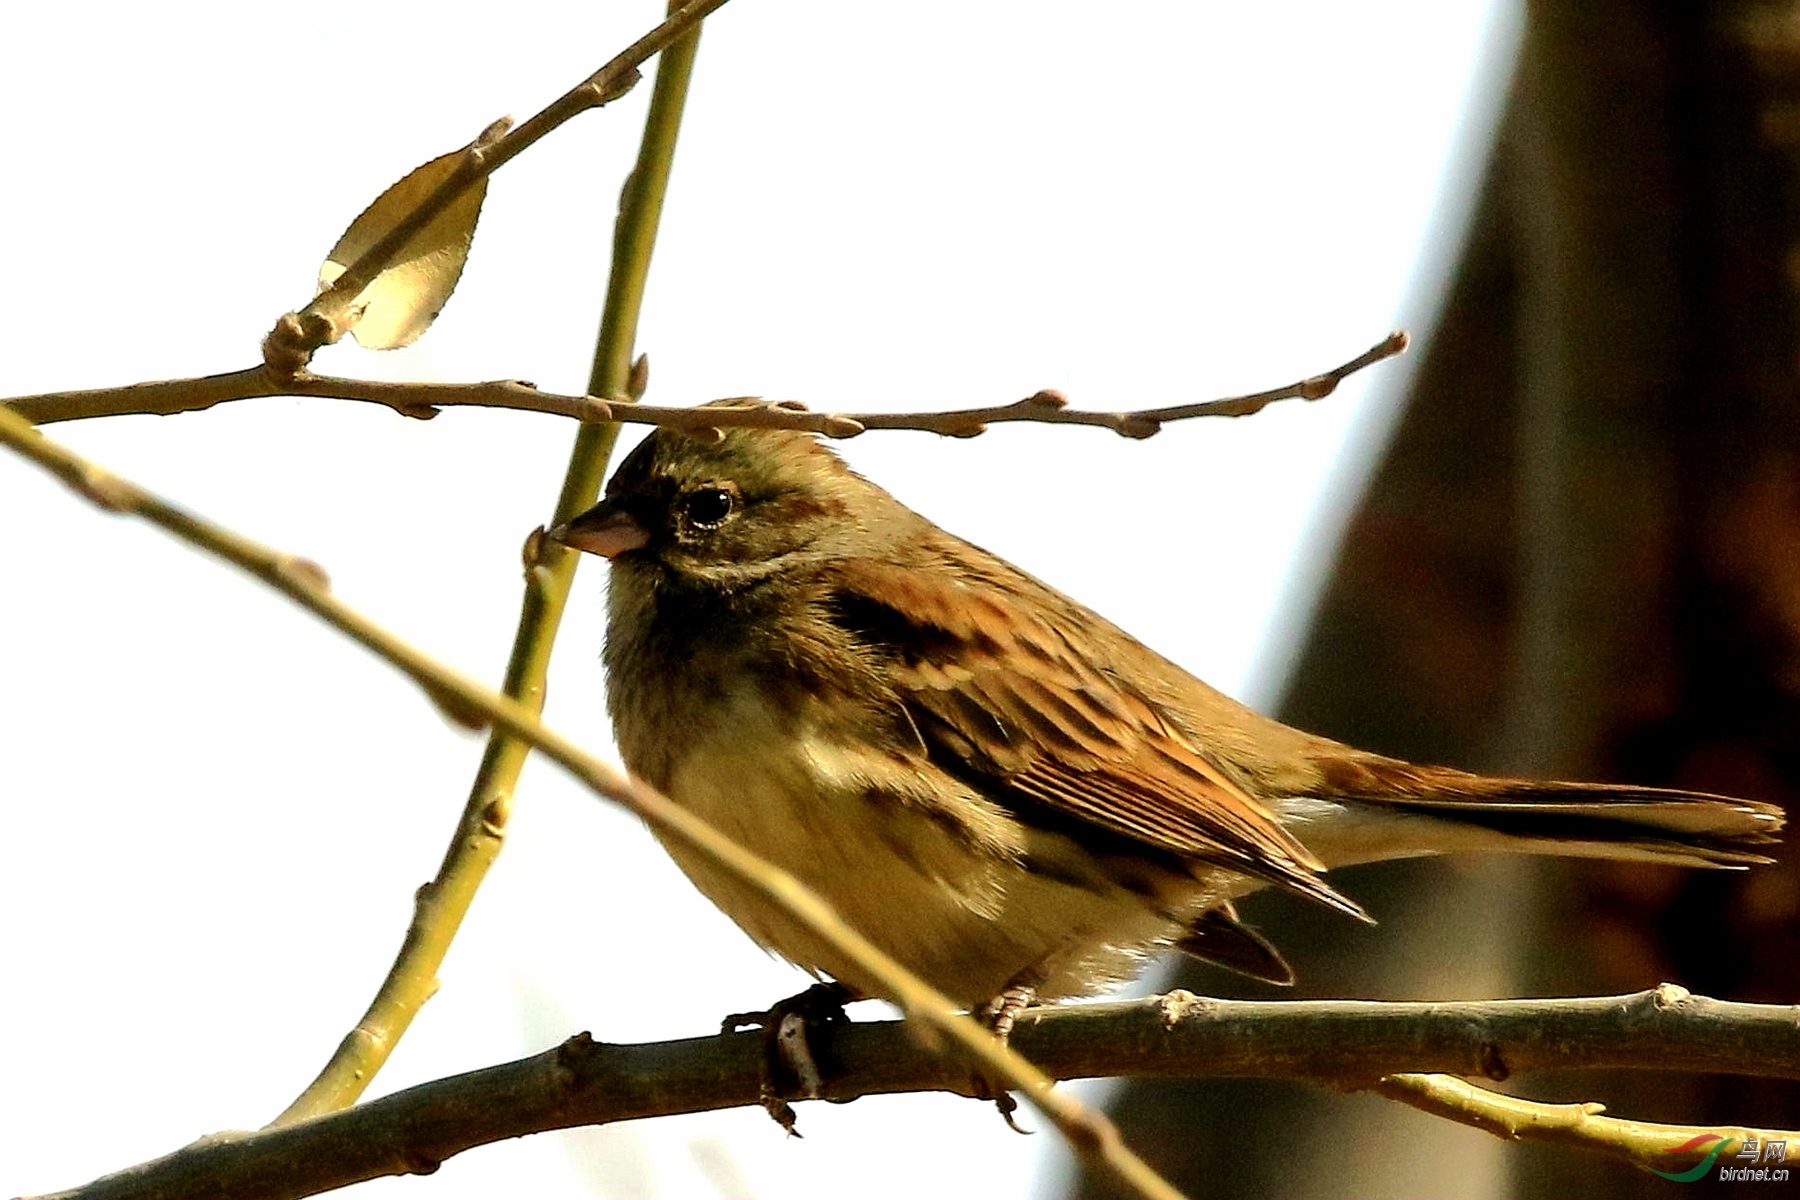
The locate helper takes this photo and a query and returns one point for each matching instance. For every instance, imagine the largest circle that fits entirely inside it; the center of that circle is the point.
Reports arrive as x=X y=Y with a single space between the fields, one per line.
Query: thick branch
x=1357 y=1041
x=1347 y=1042
x=425 y=399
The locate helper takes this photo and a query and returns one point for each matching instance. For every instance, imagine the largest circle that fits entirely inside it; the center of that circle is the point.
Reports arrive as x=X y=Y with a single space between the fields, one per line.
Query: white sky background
x=216 y=810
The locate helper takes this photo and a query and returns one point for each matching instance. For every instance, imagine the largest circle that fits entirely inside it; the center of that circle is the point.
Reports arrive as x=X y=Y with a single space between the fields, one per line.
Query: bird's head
x=728 y=512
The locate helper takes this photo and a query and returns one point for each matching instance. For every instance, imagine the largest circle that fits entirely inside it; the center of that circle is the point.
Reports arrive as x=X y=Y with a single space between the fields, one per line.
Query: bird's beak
x=604 y=529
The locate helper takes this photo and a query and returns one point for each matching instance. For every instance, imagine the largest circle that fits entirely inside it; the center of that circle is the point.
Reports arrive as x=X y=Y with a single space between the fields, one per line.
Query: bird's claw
x=796 y=1062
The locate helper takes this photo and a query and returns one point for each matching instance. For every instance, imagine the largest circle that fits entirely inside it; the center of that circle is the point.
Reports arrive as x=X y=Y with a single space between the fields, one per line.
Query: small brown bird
x=1000 y=788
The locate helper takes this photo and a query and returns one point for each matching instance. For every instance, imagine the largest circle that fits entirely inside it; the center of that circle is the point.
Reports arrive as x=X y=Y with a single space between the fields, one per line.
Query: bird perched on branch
x=997 y=786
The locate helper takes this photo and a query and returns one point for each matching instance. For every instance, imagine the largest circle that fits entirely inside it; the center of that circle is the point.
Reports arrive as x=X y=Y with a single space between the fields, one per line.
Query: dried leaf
x=403 y=300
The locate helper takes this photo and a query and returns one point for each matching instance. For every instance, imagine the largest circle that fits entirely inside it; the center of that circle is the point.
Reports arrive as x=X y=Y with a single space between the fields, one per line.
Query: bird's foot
x=999 y=1015
x=796 y=1046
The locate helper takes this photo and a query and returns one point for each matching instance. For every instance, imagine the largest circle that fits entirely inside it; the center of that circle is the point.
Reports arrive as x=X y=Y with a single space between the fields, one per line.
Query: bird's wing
x=1003 y=681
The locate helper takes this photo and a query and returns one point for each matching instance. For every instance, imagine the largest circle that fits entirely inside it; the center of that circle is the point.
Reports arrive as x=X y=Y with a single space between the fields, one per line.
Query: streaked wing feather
x=1001 y=693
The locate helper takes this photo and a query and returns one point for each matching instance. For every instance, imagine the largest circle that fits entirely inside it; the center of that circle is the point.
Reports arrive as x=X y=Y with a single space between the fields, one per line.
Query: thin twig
x=469 y=703
x=1340 y=1042
x=424 y=400
x=1685 y=1152
x=1049 y=407
x=290 y=344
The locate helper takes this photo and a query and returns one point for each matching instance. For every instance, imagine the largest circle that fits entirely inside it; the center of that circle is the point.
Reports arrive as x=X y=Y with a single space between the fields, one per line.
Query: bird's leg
x=1003 y=1010
x=796 y=1061
x=998 y=1015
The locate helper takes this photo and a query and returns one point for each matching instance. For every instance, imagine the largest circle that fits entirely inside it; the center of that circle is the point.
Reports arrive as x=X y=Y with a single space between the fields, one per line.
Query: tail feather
x=1600 y=820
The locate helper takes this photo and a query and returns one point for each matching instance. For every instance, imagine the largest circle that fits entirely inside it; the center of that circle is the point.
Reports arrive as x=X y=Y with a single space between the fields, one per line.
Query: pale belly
x=956 y=891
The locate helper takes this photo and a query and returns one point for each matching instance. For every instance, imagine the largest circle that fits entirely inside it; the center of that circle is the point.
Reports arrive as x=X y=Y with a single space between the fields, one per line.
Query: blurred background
x=1580 y=557
x=1562 y=536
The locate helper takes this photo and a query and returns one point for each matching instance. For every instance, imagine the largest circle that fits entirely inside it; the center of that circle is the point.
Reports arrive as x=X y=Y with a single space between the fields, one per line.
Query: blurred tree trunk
x=1582 y=559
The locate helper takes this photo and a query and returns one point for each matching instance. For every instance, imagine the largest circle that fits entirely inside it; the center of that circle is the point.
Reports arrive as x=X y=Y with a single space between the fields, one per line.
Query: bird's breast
x=844 y=814
x=935 y=874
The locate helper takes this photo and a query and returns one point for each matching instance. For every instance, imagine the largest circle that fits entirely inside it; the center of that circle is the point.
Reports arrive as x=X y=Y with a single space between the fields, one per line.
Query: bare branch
x=424 y=400
x=1048 y=407
x=162 y=398
x=1347 y=1043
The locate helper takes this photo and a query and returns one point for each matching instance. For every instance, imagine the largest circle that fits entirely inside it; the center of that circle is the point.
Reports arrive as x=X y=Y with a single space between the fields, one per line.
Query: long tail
x=1453 y=811
x=1361 y=807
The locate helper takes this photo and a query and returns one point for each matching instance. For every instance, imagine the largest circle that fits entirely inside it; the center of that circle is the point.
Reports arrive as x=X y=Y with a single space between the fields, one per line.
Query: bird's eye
x=708 y=507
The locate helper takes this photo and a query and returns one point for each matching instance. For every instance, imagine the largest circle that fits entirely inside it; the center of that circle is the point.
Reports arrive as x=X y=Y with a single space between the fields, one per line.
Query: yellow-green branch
x=1685 y=1152
x=441 y=905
